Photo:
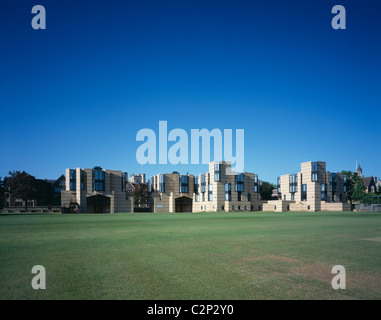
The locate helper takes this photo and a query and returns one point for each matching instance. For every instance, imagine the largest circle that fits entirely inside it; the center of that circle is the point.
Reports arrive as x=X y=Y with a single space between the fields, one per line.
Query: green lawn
x=191 y=256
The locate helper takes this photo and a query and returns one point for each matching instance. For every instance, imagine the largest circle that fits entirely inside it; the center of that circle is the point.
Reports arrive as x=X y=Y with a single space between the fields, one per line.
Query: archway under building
x=98 y=204
x=183 y=204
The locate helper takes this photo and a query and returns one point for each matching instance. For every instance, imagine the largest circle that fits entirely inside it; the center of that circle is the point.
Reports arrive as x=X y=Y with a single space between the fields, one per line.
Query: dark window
x=278 y=184
x=323 y=189
x=73 y=179
x=249 y=197
x=196 y=186
x=239 y=195
x=293 y=183
x=314 y=171
x=161 y=183
x=332 y=182
x=217 y=170
x=239 y=182
x=203 y=183
x=345 y=182
x=304 y=192
x=99 y=180
x=125 y=180
x=210 y=192
x=184 y=184
x=228 y=192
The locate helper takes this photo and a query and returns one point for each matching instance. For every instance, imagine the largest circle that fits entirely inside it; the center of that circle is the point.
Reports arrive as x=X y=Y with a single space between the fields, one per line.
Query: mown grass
x=191 y=256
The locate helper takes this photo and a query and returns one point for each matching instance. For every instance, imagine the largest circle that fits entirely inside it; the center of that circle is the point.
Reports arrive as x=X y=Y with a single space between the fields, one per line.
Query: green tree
x=355 y=187
x=267 y=190
x=2 y=193
x=22 y=185
x=141 y=195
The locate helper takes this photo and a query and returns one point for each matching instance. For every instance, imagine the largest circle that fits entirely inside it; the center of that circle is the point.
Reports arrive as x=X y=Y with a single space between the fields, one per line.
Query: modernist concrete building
x=96 y=191
x=137 y=178
x=216 y=190
x=311 y=189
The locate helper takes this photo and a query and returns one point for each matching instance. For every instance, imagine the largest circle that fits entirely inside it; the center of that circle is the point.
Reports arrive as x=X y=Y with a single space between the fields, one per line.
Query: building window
x=314 y=172
x=293 y=183
x=151 y=183
x=255 y=183
x=284 y=197
x=73 y=179
x=278 y=184
x=228 y=192
x=239 y=182
x=223 y=208
x=197 y=197
x=332 y=182
x=203 y=183
x=304 y=192
x=99 y=179
x=239 y=207
x=210 y=192
x=341 y=197
x=217 y=170
x=18 y=203
x=345 y=182
x=196 y=185
x=161 y=183
x=249 y=197
x=184 y=184
x=125 y=179
x=203 y=196
x=323 y=190
x=292 y=196
x=233 y=207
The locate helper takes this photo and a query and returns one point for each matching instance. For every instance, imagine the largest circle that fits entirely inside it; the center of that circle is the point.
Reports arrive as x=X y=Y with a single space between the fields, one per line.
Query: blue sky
x=76 y=94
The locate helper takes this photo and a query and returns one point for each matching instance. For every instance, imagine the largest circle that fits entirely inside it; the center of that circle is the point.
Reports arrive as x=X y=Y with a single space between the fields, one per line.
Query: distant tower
x=359 y=172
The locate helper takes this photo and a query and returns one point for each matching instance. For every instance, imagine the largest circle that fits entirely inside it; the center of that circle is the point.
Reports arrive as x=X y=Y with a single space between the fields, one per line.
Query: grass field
x=191 y=256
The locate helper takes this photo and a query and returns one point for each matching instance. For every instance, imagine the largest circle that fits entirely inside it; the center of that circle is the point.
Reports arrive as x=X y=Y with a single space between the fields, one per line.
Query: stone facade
x=216 y=190
x=96 y=191
x=311 y=189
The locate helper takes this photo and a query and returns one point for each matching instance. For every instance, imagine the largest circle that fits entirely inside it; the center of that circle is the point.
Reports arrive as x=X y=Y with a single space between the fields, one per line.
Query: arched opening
x=183 y=204
x=98 y=204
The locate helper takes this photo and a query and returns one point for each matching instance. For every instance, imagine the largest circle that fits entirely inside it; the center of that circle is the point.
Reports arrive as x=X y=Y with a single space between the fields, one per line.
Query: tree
x=2 y=192
x=141 y=195
x=355 y=187
x=267 y=190
x=22 y=185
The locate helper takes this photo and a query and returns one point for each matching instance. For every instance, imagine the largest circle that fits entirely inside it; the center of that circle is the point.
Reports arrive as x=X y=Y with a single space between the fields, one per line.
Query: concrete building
x=216 y=190
x=311 y=189
x=96 y=191
x=137 y=178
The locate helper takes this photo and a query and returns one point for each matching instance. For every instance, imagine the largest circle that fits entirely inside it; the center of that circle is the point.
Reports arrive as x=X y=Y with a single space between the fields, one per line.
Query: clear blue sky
x=76 y=94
